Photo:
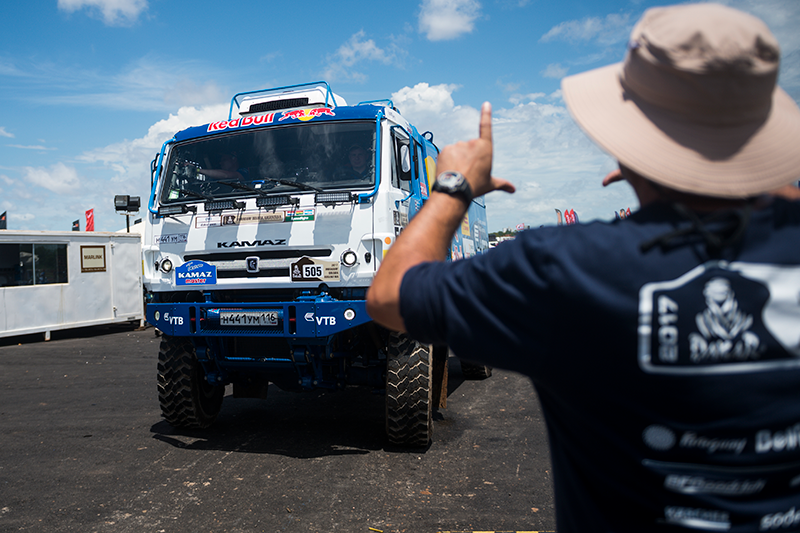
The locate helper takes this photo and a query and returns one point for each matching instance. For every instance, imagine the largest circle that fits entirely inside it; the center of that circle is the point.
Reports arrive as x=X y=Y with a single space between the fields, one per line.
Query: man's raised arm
x=428 y=235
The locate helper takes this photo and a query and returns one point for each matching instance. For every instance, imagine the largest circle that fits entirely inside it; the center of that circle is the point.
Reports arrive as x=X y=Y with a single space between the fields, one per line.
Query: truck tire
x=187 y=399
x=409 y=403
x=475 y=371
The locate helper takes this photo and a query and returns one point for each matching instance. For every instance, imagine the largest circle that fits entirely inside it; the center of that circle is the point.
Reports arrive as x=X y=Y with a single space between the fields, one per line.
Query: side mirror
x=405 y=162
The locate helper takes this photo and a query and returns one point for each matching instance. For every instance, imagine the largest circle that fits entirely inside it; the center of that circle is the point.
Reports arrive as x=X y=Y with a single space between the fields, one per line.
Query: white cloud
x=431 y=108
x=149 y=83
x=112 y=12
x=442 y=20
x=4 y=133
x=58 y=178
x=30 y=147
x=130 y=160
x=555 y=70
x=537 y=146
x=522 y=98
x=356 y=50
x=612 y=29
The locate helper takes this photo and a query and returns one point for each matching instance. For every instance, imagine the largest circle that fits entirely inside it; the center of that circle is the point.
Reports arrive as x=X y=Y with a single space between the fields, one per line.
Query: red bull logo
x=307 y=114
x=241 y=122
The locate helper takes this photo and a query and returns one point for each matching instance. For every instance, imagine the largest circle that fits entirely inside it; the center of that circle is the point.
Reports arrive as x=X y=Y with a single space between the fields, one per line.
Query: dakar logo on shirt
x=721 y=317
x=723 y=327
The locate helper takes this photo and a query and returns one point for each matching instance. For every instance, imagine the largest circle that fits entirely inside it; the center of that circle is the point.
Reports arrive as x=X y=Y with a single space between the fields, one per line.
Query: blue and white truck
x=264 y=232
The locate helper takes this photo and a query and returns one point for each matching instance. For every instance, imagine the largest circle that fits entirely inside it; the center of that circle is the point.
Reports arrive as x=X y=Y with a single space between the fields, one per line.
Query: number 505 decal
x=310 y=269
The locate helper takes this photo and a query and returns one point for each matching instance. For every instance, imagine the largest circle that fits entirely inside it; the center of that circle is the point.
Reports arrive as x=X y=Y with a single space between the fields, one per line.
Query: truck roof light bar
x=277 y=105
x=334 y=197
x=322 y=86
x=168 y=210
x=275 y=201
x=221 y=205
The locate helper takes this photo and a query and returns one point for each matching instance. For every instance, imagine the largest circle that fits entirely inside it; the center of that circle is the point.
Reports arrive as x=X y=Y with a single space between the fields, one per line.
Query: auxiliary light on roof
x=221 y=205
x=275 y=201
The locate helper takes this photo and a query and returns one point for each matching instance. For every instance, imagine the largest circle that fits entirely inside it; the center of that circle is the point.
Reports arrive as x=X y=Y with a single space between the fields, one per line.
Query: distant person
x=229 y=169
x=665 y=347
x=358 y=166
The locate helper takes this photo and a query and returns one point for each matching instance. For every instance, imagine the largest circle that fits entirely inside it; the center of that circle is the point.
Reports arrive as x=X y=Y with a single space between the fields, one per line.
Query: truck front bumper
x=316 y=317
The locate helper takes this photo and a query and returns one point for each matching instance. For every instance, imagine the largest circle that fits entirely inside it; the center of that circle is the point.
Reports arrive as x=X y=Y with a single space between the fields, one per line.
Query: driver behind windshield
x=229 y=169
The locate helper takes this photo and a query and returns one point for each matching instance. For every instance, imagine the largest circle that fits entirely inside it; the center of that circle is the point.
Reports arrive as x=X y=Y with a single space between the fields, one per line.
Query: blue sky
x=90 y=89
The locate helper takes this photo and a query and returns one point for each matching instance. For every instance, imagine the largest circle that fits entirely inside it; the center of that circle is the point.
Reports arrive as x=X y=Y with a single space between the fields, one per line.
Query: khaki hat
x=695 y=105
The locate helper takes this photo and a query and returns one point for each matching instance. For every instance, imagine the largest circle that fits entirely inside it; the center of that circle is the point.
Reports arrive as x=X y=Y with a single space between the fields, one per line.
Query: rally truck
x=264 y=232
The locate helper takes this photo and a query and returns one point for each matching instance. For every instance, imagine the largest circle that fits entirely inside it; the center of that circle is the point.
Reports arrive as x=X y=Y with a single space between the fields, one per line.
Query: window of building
x=32 y=264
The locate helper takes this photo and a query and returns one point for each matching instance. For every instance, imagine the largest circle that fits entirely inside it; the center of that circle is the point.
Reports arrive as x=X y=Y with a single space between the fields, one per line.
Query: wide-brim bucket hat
x=695 y=105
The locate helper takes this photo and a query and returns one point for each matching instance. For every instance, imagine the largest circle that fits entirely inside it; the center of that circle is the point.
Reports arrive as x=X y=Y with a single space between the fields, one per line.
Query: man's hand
x=429 y=234
x=474 y=159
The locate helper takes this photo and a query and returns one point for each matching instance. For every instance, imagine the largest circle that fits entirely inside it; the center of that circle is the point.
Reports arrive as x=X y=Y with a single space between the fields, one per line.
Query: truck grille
x=271 y=263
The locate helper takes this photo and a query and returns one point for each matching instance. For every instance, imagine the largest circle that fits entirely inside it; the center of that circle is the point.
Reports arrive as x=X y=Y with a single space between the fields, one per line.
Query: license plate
x=248 y=318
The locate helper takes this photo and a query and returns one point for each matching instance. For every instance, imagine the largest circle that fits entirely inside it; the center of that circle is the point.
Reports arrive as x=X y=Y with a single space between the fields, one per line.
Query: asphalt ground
x=83 y=448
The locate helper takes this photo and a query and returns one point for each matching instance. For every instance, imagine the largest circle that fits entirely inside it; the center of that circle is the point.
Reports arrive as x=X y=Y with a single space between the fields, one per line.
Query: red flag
x=90 y=220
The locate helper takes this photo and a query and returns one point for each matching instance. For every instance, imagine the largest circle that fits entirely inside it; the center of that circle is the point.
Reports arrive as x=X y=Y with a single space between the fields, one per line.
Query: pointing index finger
x=486 y=121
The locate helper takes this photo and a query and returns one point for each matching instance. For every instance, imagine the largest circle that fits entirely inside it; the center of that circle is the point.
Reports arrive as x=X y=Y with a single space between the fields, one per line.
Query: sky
x=91 y=89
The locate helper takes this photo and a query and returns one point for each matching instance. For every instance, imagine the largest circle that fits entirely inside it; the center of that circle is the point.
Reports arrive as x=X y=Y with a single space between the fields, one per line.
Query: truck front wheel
x=187 y=399
x=409 y=401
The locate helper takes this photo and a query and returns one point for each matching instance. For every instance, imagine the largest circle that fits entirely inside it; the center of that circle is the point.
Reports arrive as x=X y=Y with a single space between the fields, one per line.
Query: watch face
x=450 y=179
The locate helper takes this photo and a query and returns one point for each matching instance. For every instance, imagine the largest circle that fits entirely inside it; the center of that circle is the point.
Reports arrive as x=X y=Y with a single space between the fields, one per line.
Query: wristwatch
x=454 y=184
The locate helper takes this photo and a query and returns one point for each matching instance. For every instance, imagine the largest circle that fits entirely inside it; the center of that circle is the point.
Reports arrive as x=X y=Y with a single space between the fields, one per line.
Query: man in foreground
x=665 y=348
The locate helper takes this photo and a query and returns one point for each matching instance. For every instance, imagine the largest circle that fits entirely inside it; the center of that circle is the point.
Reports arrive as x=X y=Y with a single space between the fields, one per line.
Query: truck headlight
x=166 y=266
x=349 y=258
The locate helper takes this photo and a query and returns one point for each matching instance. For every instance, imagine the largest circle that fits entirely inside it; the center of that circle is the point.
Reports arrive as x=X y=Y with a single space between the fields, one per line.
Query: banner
x=90 y=220
x=3 y=222
x=76 y=225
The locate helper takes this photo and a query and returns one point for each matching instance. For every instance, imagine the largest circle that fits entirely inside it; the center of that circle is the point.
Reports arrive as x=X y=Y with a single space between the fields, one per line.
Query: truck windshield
x=319 y=156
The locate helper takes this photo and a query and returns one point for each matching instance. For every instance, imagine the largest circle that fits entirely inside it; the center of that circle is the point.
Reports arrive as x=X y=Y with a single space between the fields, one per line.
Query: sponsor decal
x=307 y=114
x=712 y=445
x=177 y=238
x=251 y=244
x=243 y=122
x=686 y=484
x=174 y=320
x=778 y=441
x=255 y=217
x=708 y=519
x=320 y=320
x=196 y=273
x=719 y=318
x=782 y=520
x=662 y=439
x=310 y=269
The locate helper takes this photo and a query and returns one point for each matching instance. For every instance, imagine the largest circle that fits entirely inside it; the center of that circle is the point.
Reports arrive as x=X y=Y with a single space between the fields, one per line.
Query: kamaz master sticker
x=196 y=273
x=310 y=269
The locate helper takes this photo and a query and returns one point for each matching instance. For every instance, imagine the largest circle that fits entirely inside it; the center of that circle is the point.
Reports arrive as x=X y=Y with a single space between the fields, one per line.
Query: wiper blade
x=295 y=184
x=187 y=192
x=243 y=187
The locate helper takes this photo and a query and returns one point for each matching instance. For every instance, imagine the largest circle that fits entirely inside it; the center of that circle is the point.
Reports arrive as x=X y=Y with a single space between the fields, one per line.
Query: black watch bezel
x=453 y=183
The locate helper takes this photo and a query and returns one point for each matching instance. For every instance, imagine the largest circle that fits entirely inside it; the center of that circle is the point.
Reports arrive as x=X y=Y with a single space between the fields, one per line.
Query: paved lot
x=83 y=448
